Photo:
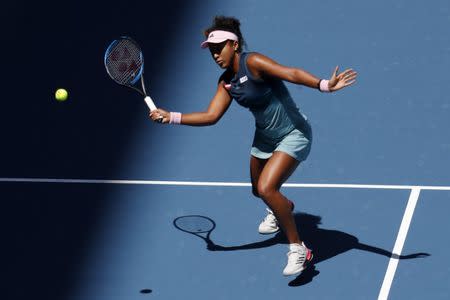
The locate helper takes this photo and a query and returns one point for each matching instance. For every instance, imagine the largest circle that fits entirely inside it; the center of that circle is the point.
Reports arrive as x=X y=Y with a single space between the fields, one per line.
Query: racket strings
x=124 y=62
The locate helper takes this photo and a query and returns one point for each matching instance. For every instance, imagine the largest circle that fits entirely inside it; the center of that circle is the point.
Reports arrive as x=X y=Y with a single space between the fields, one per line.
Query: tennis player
x=283 y=134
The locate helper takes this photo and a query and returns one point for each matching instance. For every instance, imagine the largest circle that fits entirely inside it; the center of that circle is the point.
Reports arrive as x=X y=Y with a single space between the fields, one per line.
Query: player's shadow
x=325 y=243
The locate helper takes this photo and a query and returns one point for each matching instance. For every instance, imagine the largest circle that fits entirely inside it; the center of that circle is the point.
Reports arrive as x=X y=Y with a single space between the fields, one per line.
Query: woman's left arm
x=261 y=66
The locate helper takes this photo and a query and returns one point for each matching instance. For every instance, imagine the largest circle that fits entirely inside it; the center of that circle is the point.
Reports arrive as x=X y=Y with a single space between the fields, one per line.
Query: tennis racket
x=200 y=226
x=124 y=63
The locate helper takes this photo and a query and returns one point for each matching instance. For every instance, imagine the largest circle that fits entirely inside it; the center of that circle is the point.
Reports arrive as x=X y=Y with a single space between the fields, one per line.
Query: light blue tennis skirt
x=296 y=144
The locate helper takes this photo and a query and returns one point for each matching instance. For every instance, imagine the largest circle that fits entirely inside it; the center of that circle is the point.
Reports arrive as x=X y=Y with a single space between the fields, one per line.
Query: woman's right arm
x=217 y=107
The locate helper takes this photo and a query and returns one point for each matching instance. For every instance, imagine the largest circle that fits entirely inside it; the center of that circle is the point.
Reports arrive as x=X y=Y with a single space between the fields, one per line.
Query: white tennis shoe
x=269 y=224
x=298 y=258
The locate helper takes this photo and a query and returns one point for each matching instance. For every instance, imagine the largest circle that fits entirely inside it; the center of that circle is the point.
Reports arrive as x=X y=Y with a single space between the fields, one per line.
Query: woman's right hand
x=159 y=113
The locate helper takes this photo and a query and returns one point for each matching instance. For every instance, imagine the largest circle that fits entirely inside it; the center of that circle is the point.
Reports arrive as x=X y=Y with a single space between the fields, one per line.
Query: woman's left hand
x=341 y=80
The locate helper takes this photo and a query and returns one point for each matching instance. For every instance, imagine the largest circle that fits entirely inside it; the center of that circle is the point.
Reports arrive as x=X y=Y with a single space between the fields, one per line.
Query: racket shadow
x=325 y=244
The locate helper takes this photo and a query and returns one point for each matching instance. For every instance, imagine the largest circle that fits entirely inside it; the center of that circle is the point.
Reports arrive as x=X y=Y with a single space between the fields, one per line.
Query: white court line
x=224 y=184
x=398 y=247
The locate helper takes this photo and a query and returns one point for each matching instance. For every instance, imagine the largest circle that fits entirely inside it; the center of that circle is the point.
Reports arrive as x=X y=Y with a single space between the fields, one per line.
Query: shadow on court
x=325 y=243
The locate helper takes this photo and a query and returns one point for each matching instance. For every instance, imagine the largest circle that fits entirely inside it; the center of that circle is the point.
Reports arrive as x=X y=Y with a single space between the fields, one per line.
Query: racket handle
x=150 y=103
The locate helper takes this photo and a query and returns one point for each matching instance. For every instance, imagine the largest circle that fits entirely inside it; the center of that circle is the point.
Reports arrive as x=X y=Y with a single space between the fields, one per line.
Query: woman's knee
x=265 y=190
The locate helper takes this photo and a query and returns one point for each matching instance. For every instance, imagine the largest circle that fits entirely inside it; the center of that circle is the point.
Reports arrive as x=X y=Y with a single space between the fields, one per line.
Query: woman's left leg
x=276 y=171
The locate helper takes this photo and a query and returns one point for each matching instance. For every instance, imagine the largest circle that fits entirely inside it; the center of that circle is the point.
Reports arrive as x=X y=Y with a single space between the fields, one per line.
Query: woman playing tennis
x=283 y=135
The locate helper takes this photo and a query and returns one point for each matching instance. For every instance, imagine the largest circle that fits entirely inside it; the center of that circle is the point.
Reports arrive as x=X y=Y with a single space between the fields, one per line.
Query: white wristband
x=323 y=86
x=175 y=118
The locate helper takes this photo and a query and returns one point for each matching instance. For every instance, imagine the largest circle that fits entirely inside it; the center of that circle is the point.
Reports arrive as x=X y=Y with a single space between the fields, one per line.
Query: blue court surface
x=93 y=193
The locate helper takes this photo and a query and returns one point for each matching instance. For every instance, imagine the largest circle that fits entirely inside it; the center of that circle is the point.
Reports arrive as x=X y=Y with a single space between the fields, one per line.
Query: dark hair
x=230 y=24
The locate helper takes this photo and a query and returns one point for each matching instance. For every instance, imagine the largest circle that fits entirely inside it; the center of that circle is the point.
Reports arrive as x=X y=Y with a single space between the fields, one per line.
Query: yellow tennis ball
x=61 y=95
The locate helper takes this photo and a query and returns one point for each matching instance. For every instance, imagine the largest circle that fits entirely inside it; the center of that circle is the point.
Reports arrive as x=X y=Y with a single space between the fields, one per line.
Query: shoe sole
x=267 y=232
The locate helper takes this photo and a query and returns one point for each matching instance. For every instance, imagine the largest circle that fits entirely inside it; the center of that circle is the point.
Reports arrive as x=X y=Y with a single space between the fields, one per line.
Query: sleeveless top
x=270 y=102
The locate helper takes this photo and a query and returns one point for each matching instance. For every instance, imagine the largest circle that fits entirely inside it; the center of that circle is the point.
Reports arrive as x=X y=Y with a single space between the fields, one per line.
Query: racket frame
x=140 y=76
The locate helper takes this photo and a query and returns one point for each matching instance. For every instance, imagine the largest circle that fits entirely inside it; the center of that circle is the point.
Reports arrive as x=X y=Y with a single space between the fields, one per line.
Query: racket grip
x=150 y=103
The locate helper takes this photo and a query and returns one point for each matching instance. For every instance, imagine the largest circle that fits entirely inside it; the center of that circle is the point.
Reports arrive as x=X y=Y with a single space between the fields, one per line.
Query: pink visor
x=218 y=36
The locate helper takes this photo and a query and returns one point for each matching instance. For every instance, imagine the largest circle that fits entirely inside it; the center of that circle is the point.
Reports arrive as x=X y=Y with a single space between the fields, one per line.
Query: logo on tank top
x=243 y=79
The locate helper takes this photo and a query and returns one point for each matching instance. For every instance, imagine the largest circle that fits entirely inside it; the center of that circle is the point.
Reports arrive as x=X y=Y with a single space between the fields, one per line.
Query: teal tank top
x=270 y=102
